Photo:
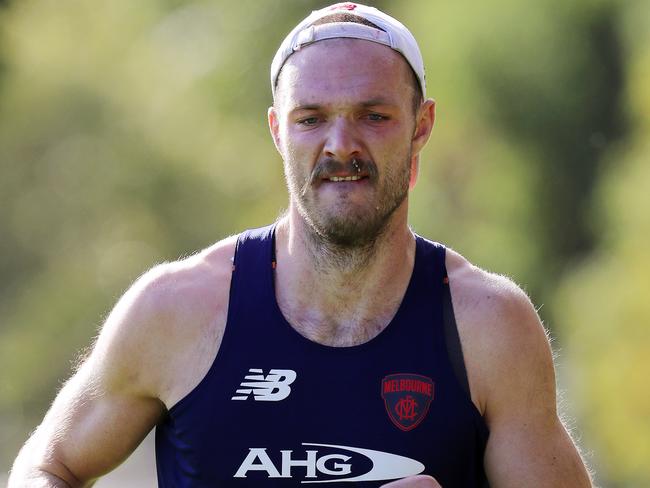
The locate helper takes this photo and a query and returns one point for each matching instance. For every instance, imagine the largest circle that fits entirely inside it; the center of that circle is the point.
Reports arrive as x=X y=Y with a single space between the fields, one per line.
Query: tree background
x=135 y=132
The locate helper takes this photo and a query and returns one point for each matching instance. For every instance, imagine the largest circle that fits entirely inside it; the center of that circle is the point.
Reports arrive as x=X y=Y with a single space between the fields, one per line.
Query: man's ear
x=274 y=127
x=425 y=119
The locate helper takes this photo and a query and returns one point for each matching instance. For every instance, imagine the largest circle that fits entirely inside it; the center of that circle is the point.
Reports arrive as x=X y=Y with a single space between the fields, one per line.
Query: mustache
x=330 y=166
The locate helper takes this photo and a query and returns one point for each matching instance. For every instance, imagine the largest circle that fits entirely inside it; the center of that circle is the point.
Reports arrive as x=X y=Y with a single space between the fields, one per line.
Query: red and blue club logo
x=407 y=398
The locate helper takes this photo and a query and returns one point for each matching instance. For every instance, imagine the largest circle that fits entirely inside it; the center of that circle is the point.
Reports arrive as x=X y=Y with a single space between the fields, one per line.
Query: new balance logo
x=270 y=388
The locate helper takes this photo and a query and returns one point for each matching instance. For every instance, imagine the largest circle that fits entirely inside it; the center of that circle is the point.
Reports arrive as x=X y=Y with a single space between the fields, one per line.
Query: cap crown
x=391 y=33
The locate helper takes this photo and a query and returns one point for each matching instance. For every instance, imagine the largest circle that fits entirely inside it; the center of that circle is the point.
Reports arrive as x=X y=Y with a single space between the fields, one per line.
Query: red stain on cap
x=344 y=6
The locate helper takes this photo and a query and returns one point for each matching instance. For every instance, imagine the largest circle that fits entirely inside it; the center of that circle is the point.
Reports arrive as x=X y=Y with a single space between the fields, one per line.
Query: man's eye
x=376 y=117
x=308 y=121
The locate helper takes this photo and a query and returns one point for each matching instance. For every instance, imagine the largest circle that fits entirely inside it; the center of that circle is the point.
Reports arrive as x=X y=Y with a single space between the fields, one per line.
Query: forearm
x=31 y=471
x=35 y=478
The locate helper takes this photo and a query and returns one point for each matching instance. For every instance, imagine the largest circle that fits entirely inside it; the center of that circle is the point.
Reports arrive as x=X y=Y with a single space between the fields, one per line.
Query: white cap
x=392 y=34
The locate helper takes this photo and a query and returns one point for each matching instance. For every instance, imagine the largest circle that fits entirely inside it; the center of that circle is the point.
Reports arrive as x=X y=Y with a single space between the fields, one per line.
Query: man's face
x=343 y=122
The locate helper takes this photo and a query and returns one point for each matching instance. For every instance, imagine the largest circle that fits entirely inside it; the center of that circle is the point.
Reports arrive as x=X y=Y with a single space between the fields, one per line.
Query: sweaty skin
x=164 y=333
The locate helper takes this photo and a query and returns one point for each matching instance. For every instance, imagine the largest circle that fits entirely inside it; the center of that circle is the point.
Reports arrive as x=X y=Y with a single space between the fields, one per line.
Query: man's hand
x=420 y=481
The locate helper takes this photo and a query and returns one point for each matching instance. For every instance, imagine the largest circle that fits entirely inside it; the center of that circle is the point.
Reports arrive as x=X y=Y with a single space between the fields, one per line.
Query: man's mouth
x=355 y=172
x=344 y=178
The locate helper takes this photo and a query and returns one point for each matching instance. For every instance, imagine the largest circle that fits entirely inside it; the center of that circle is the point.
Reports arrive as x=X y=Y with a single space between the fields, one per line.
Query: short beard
x=349 y=242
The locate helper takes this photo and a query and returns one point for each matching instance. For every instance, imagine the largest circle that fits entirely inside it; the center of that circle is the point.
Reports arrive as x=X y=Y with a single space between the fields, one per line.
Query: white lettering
x=309 y=463
x=339 y=469
x=384 y=465
x=266 y=464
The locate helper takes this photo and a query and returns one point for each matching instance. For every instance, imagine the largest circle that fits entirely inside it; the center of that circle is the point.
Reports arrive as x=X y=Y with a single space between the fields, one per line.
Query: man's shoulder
x=171 y=321
x=499 y=327
x=196 y=276
x=184 y=298
x=482 y=291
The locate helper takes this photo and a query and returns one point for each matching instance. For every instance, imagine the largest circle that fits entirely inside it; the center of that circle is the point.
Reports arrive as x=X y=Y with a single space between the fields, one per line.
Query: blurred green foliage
x=135 y=132
x=605 y=298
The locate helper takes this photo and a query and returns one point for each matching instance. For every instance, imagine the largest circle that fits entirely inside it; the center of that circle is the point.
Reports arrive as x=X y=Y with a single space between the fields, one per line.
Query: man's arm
x=528 y=444
x=512 y=378
x=90 y=428
x=154 y=348
x=105 y=410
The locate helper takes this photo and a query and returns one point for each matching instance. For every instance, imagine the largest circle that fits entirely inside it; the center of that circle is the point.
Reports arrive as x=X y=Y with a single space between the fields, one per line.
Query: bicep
x=528 y=444
x=533 y=452
x=109 y=405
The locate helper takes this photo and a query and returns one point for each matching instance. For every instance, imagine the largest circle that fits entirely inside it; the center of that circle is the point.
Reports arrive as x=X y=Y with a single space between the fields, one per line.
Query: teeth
x=345 y=178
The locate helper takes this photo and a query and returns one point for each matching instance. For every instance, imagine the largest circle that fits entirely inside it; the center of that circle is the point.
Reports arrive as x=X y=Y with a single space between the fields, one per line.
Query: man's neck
x=342 y=296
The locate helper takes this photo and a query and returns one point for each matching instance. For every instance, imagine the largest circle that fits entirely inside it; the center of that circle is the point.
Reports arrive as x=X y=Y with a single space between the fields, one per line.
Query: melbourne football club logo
x=407 y=398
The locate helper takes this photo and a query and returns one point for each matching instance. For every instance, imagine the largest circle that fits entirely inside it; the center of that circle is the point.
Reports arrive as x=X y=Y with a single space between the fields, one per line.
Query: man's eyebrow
x=306 y=106
x=372 y=102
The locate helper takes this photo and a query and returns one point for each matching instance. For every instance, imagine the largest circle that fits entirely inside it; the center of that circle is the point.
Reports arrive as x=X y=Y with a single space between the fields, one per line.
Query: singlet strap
x=438 y=284
x=254 y=247
x=251 y=282
x=452 y=339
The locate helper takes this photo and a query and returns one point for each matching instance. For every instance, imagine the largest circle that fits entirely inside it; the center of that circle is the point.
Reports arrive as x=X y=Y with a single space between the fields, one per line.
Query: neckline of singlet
x=383 y=335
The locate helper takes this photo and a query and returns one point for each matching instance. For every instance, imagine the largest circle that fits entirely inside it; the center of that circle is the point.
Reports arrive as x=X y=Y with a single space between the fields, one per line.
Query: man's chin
x=349 y=232
x=346 y=224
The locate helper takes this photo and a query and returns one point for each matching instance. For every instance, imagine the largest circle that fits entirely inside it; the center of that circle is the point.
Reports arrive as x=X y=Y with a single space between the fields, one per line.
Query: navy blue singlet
x=278 y=410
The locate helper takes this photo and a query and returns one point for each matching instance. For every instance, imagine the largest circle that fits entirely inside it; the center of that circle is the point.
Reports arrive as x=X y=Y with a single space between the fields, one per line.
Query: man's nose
x=342 y=141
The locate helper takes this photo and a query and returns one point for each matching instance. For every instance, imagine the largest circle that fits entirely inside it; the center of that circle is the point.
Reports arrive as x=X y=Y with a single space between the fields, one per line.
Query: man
x=326 y=347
